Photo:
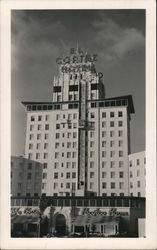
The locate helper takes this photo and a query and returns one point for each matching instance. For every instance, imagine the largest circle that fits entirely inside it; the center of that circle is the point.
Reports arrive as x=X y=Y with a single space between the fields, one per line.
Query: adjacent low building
x=137 y=174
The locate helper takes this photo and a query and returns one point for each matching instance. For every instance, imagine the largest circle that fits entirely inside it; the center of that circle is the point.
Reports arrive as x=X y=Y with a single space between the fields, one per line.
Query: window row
x=104 y=164
x=68 y=175
x=68 y=144
x=38 y=136
x=39 y=118
x=105 y=115
x=112 y=133
x=69 y=125
x=38 y=146
x=138 y=184
x=39 y=127
x=66 y=185
x=138 y=162
x=69 y=135
x=66 y=116
x=112 y=124
x=63 y=164
x=113 y=185
x=68 y=154
x=104 y=174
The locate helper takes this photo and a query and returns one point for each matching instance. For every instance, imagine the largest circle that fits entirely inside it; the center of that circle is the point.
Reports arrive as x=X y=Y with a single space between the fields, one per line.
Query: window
x=68 y=144
x=30 y=166
x=38 y=136
x=112 y=174
x=121 y=164
x=57 y=117
x=46 y=126
x=91 y=134
x=62 y=185
x=91 y=185
x=37 y=155
x=120 y=114
x=28 y=185
x=46 y=117
x=103 y=124
x=31 y=146
x=30 y=156
x=68 y=164
x=73 y=175
x=103 y=133
x=45 y=165
x=73 y=186
x=120 y=133
x=92 y=144
x=73 y=164
x=19 y=185
x=55 y=185
x=45 y=145
x=121 y=174
x=111 y=143
x=74 y=154
x=103 y=184
x=55 y=175
x=45 y=155
x=74 y=135
x=138 y=162
x=120 y=123
x=103 y=144
x=103 y=174
x=44 y=175
x=131 y=174
x=138 y=172
x=74 y=144
x=130 y=163
x=103 y=114
x=103 y=153
x=62 y=175
x=68 y=135
x=43 y=185
x=39 y=127
x=121 y=185
x=39 y=118
x=91 y=174
x=56 y=155
x=120 y=143
x=56 y=144
x=92 y=115
x=111 y=133
x=103 y=164
x=111 y=114
x=138 y=184
x=139 y=194
x=74 y=125
x=57 y=126
x=74 y=116
x=69 y=125
x=31 y=136
x=56 y=165
x=38 y=145
x=32 y=118
x=70 y=97
x=92 y=164
x=144 y=160
x=120 y=153
x=111 y=124
x=112 y=185
x=67 y=185
x=29 y=176
x=131 y=185
x=69 y=116
x=112 y=153
x=68 y=154
x=91 y=153
x=31 y=127
x=57 y=135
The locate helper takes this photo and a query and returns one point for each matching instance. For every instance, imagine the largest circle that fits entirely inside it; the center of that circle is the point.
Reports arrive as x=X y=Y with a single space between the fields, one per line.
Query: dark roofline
x=127 y=97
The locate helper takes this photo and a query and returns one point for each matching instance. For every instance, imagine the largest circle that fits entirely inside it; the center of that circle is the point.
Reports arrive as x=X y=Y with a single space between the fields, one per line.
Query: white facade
x=137 y=174
x=81 y=138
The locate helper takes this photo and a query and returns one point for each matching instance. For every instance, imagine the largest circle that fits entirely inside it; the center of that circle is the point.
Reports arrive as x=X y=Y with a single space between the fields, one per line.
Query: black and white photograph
x=78 y=157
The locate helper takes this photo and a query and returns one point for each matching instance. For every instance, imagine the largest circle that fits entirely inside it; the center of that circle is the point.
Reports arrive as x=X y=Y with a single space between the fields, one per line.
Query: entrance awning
x=22 y=219
x=90 y=219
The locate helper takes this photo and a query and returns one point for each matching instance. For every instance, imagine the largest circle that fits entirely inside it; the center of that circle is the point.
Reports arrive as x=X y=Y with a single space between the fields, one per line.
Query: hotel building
x=81 y=138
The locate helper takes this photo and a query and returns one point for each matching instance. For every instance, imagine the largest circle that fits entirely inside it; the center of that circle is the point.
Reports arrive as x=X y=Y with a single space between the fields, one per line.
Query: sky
x=38 y=37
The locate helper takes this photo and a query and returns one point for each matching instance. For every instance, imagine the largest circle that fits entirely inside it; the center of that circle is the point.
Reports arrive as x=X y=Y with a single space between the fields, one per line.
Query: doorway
x=60 y=225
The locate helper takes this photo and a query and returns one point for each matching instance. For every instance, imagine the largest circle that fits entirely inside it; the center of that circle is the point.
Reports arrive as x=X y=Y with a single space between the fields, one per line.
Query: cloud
x=34 y=39
x=115 y=41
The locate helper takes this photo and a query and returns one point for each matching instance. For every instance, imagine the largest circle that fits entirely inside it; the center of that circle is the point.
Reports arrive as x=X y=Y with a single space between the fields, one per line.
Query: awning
x=90 y=219
x=22 y=219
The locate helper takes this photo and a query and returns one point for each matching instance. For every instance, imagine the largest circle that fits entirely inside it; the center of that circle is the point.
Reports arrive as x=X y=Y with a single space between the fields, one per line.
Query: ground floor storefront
x=56 y=217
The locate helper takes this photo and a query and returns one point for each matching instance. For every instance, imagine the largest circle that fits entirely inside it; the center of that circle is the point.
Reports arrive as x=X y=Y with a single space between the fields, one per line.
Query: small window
x=73 y=175
x=111 y=124
x=120 y=123
x=103 y=124
x=121 y=174
x=103 y=114
x=103 y=133
x=91 y=174
x=57 y=126
x=39 y=118
x=120 y=114
x=67 y=185
x=111 y=133
x=138 y=184
x=46 y=117
x=55 y=175
x=92 y=164
x=120 y=153
x=57 y=135
x=45 y=165
x=92 y=115
x=138 y=162
x=46 y=126
x=120 y=133
x=111 y=114
x=121 y=164
x=32 y=118
x=44 y=175
x=29 y=176
x=103 y=174
x=112 y=174
x=103 y=184
x=112 y=185
x=38 y=136
x=39 y=127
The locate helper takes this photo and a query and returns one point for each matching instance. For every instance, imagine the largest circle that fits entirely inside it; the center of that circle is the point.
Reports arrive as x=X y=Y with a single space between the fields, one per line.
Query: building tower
x=81 y=138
